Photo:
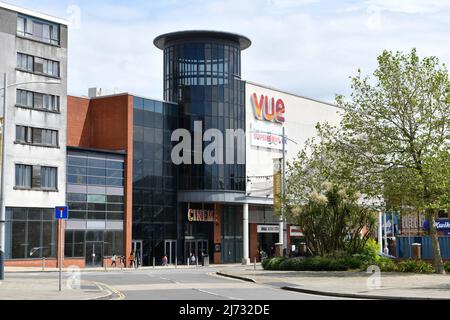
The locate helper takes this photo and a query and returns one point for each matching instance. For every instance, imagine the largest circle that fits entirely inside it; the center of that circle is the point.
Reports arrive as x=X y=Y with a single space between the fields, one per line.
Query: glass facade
x=232 y=234
x=96 y=201
x=154 y=176
x=30 y=233
x=204 y=78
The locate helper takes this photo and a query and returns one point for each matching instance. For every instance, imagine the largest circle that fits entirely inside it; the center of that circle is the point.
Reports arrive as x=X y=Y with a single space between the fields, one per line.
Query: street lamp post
x=2 y=191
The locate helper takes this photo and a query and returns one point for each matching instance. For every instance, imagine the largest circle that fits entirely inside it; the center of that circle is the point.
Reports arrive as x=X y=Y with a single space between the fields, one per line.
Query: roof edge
x=292 y=94
x=160 y=41
x=33 y=13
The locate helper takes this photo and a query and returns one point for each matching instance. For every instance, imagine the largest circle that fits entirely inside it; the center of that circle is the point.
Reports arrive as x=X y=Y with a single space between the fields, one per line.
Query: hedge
x=345 y=263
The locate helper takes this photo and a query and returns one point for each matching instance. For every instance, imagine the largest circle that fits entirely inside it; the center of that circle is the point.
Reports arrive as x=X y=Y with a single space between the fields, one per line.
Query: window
x=23 y=176
x=36 y=136
x=25 y=62
x=48 y=178
x=33 y=233
x=22 y=135
x=21 y=26
x=37 y=100
x=36 y=177
x=38 y=29
x=37 y=65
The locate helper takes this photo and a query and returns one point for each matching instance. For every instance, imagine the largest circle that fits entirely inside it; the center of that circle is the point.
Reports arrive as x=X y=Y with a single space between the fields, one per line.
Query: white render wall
x=301 y=118
x=24 y=154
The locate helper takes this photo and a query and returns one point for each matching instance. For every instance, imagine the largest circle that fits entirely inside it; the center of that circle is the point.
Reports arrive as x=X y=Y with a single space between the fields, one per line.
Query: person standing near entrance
x=132 y=259
x=113 y=260
x=193 y=258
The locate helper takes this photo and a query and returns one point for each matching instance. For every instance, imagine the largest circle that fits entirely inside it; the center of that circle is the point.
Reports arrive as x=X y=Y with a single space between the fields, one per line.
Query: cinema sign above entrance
x=195 y=215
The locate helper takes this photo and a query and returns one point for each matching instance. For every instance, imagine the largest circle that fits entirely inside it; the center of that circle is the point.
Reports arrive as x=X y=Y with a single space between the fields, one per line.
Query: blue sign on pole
x=61 y=213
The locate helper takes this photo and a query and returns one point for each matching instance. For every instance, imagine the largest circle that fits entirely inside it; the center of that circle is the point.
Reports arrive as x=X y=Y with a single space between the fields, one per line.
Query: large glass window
x=31 y=233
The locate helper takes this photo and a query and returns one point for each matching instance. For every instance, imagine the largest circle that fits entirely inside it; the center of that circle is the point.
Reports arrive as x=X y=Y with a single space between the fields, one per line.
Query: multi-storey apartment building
x=33 y=66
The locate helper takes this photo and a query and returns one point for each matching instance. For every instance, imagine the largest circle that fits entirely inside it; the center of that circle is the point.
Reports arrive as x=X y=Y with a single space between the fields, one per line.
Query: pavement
x=161 y=283
x=359 y=285
x=21 y=288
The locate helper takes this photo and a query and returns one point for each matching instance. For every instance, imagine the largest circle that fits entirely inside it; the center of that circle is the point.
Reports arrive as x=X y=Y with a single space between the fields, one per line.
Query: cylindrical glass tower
x=202 y=73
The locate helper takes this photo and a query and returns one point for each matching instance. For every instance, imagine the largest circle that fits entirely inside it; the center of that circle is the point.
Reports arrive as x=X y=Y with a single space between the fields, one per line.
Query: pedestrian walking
x=164 y=261
x=138 y=260
x=113 y=260
x=193 y=258
x=132 y=259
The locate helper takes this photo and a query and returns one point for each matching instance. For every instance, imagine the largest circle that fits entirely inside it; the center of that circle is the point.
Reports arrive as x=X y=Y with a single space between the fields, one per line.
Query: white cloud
x=308 y=47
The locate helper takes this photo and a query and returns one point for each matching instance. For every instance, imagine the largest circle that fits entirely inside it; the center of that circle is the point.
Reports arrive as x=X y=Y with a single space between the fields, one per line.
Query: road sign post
x=61 y=214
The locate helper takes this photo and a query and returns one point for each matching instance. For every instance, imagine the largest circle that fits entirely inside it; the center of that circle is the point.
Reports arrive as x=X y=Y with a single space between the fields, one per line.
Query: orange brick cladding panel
x=106 y=123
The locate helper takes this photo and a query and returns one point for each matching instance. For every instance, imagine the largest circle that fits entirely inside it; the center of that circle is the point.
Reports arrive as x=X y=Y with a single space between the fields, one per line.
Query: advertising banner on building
x=267 y=135
x=277 y=186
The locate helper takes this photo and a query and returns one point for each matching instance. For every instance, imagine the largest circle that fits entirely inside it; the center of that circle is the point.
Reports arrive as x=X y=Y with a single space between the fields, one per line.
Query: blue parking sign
x=61 y=213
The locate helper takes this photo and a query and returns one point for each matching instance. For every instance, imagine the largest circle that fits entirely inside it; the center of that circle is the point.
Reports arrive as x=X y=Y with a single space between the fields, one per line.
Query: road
x=182 y=284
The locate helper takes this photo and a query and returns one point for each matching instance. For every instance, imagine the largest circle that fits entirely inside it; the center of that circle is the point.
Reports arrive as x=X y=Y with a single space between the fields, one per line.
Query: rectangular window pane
x=48 y=178
x=38 y=65
x=38 y=101
x=46 y=33
x=18 y=240
x=94 y=198
x=23 y=176
x=21 y=134
x=76 y=197
x=49 y=239
x=36 y=183
x=77 y=161
x=37 y=30
x=34 y=240
x=21 y=26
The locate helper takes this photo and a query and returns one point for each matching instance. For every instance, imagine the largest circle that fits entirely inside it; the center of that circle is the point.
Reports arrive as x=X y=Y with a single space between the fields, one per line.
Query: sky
x=307 y=47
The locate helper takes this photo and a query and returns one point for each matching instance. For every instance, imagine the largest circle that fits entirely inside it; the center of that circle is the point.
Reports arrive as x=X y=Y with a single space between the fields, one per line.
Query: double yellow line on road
x=117 y=293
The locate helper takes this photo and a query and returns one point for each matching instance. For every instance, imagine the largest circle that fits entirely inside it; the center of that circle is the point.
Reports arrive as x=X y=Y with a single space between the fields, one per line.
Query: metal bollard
x=43 y=264
x=176 y=262
x=254 y=263
x=154 y=262
x=196 y=262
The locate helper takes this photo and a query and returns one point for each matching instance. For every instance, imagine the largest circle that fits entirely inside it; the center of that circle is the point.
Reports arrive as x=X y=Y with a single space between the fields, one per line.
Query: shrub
x=416 y=266
x=369 y=254
x=386 y=264
x=447 y=266
x=273 y=263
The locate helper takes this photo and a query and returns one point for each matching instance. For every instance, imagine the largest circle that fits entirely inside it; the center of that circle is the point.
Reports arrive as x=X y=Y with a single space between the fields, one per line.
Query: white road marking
x=215 y=294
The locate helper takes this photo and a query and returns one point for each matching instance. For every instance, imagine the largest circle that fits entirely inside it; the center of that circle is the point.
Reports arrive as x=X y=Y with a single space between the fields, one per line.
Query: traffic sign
x=61 y=213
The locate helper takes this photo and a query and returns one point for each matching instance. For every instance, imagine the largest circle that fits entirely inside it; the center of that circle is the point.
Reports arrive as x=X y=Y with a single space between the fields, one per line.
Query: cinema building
x=224 y=209
x=122 y=187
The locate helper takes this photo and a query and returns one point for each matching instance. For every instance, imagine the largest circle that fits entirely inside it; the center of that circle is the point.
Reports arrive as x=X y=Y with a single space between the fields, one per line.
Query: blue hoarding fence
x=404 y=247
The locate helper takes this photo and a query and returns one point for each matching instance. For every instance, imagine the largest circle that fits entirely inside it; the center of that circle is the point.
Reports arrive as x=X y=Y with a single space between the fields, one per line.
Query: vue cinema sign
x=268 y=109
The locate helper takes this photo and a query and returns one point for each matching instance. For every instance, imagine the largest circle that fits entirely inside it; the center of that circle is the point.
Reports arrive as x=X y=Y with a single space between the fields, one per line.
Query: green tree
x=323 y=201
x=395 y=132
